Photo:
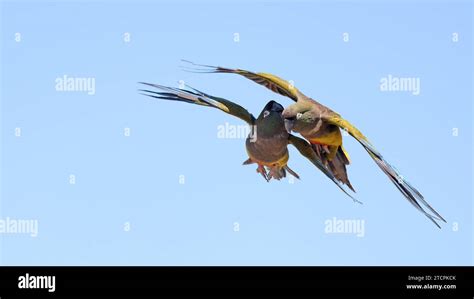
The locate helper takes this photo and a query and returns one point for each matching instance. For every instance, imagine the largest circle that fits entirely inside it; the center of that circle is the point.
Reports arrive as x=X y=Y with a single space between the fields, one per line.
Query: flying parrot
x=267 y=143
x=322 y=126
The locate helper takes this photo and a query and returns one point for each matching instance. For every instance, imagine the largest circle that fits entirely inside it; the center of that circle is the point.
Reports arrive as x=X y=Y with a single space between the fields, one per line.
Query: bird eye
x=266 y=113
x=299 y=115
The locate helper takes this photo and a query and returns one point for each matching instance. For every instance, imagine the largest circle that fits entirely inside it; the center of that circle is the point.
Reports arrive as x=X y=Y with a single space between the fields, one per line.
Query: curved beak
x=289 y=124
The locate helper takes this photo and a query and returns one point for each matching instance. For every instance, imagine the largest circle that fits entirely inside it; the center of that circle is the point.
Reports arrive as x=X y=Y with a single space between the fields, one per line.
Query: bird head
x=294 y=115
x=272 y=108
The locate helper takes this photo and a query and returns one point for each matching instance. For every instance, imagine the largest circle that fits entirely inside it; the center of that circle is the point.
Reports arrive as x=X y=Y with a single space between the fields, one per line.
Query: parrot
x=321 y=127
x=267 y=142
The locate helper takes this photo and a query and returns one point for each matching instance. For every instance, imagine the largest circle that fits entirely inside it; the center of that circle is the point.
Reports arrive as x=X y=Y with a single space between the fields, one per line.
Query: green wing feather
x=199 y=98
x=410 y=193
x=272 y=82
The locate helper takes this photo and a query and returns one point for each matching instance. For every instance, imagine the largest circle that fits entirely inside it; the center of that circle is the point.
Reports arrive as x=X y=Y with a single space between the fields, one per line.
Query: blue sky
x=128 y=206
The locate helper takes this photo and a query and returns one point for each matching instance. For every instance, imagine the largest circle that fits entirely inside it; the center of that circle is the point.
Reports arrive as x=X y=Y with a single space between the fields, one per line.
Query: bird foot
x=261 y=169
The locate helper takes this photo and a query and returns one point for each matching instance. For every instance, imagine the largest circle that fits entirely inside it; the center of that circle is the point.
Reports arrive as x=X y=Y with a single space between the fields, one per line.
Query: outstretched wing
x=199 y=98
x=272 y=82
x=307 y=151
x=410 y=193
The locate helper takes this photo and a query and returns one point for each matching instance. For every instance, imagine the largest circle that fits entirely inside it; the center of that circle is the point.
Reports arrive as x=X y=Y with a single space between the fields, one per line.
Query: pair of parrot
x=317 y=124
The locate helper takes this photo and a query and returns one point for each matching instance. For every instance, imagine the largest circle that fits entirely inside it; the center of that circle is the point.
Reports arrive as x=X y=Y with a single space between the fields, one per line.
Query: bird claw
x=261 y=169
